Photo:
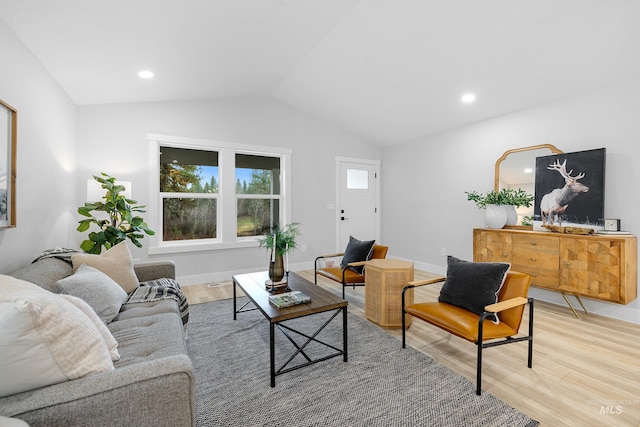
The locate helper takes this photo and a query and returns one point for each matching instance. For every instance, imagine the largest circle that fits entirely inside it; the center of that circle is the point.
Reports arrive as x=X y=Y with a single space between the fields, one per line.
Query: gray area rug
x=381 y=384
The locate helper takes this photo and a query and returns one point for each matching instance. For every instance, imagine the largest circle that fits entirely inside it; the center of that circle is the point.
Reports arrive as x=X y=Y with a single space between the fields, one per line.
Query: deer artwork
x=555 y=203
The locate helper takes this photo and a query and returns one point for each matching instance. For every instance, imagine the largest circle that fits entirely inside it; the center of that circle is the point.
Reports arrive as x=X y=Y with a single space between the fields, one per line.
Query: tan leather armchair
x=346 y=276
x=476 y=328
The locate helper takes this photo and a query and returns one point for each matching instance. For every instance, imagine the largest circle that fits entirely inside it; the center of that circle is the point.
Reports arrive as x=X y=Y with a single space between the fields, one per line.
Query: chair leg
x=480 y=347
x=479 y=370
x=404 y=315
x=530 y=359
x=404 y=333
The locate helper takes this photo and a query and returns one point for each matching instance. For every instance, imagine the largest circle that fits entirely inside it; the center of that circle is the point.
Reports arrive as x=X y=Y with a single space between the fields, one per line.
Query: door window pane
x=357 y=179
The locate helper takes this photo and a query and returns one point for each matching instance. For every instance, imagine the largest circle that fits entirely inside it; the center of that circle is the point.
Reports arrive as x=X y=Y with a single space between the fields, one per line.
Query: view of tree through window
x=194 y=172
x=257 y=191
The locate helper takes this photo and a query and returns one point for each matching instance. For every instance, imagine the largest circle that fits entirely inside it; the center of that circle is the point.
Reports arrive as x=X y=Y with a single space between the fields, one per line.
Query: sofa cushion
x=44 y=272
x=473 y=285
x=357 y=251
x=144 y=309
x=44 y=339
x=109 y=340
x=116 y=263
x=148 y=338
x=97 y=289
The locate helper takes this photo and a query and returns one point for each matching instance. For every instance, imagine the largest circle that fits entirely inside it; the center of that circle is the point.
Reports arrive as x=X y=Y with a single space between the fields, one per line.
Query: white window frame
x=227 y=200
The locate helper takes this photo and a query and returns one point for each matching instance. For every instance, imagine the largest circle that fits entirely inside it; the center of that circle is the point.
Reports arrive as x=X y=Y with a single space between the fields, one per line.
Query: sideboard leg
x=581 y=304
x=575 y=313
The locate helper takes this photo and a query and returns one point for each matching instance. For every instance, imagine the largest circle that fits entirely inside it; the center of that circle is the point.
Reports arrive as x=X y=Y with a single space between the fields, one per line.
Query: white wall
x=424 y=205
x=113 y=139
x=45 y=156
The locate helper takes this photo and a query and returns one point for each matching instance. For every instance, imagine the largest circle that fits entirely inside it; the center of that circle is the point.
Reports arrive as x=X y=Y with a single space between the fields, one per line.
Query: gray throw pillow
x=357 y=251
x=97 y=289
x=473 y=285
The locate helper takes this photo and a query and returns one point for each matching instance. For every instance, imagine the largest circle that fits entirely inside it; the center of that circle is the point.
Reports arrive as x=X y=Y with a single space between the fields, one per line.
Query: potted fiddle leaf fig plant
x=115 y=216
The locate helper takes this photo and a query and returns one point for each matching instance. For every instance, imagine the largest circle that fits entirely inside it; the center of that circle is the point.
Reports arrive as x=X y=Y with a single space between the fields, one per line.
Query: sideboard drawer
x=535 y=243
x=541 y=277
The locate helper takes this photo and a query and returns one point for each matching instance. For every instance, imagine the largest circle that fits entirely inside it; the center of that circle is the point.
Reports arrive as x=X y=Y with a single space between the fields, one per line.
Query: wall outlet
x=303 y=248
x=443 y=251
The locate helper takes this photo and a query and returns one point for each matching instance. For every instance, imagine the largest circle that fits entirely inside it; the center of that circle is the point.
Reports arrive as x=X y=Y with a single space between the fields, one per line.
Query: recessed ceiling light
x=528 y=170
x=468 y=98
x=146 y=74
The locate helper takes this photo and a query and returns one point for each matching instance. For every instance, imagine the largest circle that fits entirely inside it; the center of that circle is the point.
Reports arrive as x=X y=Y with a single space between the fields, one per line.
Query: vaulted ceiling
x=386 y=70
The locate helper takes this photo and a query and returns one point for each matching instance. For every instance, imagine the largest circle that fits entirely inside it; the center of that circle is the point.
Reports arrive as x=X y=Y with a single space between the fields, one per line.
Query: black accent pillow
x=473 y=285
x=357 y=251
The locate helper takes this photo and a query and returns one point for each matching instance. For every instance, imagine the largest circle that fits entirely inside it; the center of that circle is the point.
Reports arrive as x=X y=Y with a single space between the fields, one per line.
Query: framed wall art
x=8 y=142
x=569 y=189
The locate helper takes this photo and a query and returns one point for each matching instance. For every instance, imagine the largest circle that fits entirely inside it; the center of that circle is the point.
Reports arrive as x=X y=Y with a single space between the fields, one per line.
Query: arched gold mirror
x=516 y=169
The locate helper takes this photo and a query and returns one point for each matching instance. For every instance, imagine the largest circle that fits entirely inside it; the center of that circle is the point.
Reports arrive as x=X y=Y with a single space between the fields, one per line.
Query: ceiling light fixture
x=146 y=74
x=528 y=170
x=468 y=98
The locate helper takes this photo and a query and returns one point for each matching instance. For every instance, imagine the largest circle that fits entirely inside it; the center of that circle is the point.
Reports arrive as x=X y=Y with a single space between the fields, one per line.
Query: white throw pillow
x=109 y=339
x=116 y=263
x=97 y=289
x=45 y=339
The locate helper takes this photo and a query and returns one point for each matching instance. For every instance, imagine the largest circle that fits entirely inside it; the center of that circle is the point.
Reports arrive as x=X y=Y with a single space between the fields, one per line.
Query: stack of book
x=288 y=299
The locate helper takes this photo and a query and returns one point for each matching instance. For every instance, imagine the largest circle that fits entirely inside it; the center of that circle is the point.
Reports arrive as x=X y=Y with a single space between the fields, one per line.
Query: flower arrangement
x=505 y=196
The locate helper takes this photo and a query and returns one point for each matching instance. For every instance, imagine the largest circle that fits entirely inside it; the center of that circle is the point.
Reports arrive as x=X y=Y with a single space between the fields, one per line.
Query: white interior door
x=357 y=205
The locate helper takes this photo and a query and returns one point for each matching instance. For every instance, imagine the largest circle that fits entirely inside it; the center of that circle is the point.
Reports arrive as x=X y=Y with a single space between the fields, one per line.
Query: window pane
x=185 y=218
x=257 y=174
x=357 y=179
x=257 y=216
x=188 y=171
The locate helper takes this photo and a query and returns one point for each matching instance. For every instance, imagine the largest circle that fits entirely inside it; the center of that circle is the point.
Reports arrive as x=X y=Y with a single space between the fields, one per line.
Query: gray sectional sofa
x=152 y=383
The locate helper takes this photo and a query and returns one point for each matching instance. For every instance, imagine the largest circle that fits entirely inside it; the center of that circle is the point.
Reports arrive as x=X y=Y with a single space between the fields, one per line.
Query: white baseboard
x=227 y=275
x=221 y=276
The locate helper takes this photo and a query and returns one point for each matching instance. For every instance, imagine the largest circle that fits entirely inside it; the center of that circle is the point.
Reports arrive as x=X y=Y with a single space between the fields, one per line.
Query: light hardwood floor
x=586 y=372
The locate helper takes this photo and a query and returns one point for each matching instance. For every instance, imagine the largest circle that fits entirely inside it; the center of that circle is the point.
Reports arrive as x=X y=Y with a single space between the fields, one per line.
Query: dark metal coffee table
x=253 y=285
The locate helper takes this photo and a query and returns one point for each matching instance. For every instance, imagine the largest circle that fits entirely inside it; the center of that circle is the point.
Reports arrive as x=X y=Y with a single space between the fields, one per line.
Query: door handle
x=342 y=218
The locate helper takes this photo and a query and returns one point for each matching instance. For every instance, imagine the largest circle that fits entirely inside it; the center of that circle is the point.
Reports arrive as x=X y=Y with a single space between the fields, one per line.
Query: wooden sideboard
x=602 y=267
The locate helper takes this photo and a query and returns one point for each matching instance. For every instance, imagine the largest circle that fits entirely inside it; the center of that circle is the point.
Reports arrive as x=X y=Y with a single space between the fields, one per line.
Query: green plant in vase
x=527 y=221
x=281 y=241
x=120 y=223
x=482 y=200
x=519 y=197
x=507 y=198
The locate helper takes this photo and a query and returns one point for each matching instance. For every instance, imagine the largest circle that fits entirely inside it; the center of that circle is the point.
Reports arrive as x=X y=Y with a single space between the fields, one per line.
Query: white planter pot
x=512 y=215
x=495 y=216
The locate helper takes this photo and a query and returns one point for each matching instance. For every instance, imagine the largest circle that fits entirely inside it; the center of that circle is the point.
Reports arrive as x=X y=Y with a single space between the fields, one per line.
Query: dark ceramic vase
x=276 y=269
